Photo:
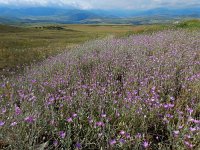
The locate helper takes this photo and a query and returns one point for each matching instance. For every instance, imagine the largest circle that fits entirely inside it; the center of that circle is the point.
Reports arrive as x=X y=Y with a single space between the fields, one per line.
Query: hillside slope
x=73 y=15
x=140 y=92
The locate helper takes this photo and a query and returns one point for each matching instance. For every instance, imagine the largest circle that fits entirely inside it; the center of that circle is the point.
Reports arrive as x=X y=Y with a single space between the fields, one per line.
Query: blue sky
x=103 y=4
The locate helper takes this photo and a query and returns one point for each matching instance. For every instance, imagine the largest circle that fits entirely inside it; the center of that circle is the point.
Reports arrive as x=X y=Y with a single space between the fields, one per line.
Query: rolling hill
x=72 y=15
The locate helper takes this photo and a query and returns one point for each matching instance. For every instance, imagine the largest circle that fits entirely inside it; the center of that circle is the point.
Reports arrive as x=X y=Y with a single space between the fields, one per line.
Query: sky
x=102 y=4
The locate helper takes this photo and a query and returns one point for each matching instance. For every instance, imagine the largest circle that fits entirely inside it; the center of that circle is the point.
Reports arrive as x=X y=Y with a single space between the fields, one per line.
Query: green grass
x=20 y=46
x=189 y=24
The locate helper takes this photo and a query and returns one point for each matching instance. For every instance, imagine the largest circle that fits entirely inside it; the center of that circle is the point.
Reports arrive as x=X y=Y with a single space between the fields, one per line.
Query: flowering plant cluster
x=140 y=92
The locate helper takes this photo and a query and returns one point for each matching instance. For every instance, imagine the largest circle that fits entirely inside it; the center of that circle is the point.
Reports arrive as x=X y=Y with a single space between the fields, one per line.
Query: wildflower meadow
x=133 y=93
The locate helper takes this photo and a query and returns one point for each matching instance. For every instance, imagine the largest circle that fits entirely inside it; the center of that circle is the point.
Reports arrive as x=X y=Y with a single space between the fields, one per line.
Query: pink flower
x=188 y=136
x=188 y=144
x=194 y=120
x=192 y=129
x=100 y=124
x=190 y=119
x=113 y=142
x=122 y=132
x=103 y=115
x=145 y=144
x=180 y=127
x=74 y=115
x=69 y=120
x=176 y=132
x=13 y=124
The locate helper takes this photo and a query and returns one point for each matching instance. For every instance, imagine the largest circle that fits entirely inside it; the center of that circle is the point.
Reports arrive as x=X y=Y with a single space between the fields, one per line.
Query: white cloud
x=104 y=4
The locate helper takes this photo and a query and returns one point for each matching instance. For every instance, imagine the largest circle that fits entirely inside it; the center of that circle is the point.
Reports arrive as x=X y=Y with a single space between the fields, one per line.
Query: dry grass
x=21 y=46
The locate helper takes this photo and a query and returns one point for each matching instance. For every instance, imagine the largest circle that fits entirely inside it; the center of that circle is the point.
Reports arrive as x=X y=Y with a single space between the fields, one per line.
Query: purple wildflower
x=145 y=144
x=74 y=115
x=192 y=129
x=33 y=81
x=138 y=136
x=188 y=144
x=190 y=119
x=103 y=115
x=78 y=145
x=17 y=110
x=128 y=136
x=2 y=123
x=29 y=119
x=3 y=110
x=122 y=132
x=69 y=120
x=180 y=127
x=62 y=134
x=190 y=110
x=197 y=121
x=100 y=124
x=90 y=120
x=112 y=142
x=176 y=133
x=55 y=143
x=13 y=124
x=187 y=136
x=122 y=141
x=172 y=98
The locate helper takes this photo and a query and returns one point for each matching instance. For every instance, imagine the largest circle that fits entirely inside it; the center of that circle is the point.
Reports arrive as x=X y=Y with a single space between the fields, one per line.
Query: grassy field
x=20 y=46
x=140 y=92
x=135 y=88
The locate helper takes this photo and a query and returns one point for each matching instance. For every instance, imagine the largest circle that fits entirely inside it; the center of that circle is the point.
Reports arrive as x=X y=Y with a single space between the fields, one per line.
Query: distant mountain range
x=72 y=15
